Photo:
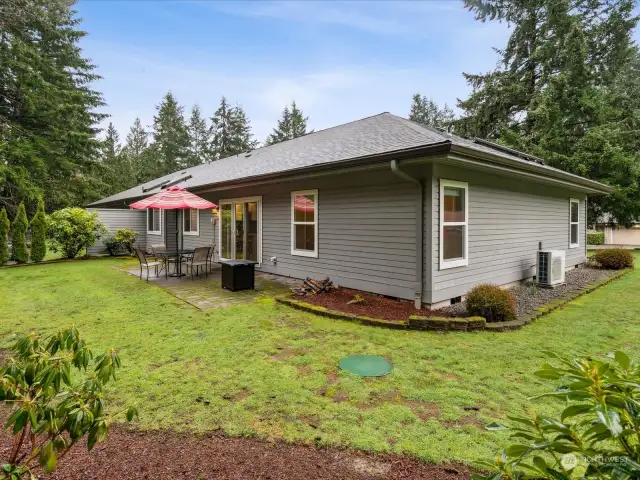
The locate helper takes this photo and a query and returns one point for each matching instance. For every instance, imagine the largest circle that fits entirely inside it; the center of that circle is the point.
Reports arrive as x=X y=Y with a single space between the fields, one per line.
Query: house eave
x=529 y=170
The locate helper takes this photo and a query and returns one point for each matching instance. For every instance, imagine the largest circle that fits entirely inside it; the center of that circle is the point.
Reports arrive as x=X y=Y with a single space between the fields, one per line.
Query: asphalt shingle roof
x=379 y=134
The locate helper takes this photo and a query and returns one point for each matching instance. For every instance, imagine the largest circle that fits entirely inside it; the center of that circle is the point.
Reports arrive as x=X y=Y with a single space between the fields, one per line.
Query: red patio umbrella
x=174 y=198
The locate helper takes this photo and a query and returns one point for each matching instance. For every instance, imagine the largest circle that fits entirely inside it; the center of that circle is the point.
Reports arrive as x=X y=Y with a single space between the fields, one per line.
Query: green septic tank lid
x=366 y=365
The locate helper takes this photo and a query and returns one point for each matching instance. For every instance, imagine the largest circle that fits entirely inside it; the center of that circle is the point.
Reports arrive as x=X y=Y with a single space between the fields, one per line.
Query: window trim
x=462 y=262
x=571 y=202
x=195 y=232
x=304 y=253
x=233 y=201
x=155 y=232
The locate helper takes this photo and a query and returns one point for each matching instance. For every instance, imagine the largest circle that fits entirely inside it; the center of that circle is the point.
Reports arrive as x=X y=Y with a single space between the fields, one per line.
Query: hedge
x=595 y=238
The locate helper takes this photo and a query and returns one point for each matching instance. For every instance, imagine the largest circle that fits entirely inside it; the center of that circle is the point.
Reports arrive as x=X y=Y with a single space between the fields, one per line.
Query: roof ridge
x=313 y=133
x=418 y=127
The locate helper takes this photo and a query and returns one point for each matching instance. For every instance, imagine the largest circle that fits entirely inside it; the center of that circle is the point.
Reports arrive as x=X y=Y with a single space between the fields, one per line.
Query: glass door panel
x=251 y=244
x=240 y=230
x=226 y=250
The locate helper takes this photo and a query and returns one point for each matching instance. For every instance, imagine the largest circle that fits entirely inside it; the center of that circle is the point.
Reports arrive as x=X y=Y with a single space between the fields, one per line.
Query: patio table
x=179 y=253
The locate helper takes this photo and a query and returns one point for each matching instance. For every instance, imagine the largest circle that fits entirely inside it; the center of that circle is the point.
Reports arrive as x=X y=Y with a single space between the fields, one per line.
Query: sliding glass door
x=240 y=229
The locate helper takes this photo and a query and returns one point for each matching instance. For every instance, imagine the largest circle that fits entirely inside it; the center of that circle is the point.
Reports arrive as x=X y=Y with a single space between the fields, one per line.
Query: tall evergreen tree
x=136 y=148
x=427 y=112
x=199 y=138
x=293 y=124
x=19 y=251
x=39 y=233
x=117 y=171
x=230 y=131
x=4 y=236
x=556 y=93
x=170 y=137
x=48 y=119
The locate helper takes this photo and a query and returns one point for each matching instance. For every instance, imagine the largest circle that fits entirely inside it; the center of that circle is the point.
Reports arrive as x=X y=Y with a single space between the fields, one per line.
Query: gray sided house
x=380 y=204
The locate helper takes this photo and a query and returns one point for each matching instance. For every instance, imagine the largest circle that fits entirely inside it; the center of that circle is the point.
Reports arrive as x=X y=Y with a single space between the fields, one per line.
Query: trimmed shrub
x=491 y=302
x=112 y=245
x=126 y=238
x=595 y=238
x=19 y=251
x=614 y=258
x=39 y=233
x=73 y=230
x=4 y=237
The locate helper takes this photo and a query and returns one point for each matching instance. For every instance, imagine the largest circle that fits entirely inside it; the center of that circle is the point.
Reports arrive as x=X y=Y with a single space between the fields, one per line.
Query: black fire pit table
x=238 y=274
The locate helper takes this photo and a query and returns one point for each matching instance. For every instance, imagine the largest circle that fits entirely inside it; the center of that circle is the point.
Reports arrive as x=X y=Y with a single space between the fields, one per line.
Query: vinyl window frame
x=458 y=262
x=195 y=232
x=572 y=223
x=160 y=215
x=305 y=253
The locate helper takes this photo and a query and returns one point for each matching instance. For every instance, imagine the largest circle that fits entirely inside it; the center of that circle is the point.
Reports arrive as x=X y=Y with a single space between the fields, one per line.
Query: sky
x=340 y=61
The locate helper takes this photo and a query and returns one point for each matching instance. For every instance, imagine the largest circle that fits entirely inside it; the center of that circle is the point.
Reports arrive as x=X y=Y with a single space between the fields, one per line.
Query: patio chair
x=212 y=254
x=145 y=263
x=165 y=260
x=200 y=258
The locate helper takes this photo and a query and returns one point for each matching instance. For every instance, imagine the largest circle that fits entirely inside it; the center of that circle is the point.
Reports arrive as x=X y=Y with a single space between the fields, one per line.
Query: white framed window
x=574 y=223
x=191 y=221
x=454 y=224
x=154 y=221
x=304 y=223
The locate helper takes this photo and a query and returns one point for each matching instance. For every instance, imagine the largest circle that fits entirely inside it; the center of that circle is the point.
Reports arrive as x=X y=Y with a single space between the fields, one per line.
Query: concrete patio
x=205 y=293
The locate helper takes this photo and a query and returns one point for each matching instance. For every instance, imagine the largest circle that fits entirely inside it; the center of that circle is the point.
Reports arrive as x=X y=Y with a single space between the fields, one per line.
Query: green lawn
x=271 y=372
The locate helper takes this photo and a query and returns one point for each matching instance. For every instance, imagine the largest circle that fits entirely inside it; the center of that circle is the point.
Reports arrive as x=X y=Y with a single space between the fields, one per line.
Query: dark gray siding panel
x=507 y=220
x=366 y=231
x=205 y=235
x=115 y=218
x=157 y=238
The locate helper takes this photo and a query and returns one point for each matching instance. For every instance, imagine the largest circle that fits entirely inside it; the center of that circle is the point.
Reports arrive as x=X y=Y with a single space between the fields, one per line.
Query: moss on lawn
x=267 y=369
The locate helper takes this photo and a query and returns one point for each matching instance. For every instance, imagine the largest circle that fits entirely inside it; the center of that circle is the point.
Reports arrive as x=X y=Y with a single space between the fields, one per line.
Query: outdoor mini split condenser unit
x=550 y=271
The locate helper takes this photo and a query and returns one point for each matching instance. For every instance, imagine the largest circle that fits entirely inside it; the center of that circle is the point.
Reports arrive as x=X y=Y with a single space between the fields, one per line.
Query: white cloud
x=338 y=82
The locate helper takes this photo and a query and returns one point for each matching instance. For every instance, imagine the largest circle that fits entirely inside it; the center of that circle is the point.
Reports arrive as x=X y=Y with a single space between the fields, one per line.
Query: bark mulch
x=376 y=306
x=129 y=454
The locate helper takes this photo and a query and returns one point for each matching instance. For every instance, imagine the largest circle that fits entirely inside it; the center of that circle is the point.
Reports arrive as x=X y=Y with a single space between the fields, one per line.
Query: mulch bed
x=376 y=306
x=128 y=454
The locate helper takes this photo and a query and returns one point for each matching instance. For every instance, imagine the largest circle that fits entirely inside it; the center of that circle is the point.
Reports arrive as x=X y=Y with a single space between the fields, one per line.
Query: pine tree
x=39 y=233
x=427 y=112
x=136 y=150
x=170 y=137
x=557 y=92
x=4 y=237
x=117 y=171
x=48 y=119
x=230 y=131
x=293 y=124
x=199 y=139
x=19 y=227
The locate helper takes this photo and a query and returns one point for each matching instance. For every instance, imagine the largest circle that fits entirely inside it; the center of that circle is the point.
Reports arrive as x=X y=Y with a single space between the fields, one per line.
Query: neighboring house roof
x=368 y=139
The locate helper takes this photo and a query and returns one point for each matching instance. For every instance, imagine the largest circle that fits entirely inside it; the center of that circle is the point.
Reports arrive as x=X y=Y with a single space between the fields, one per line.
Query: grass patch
x=270 y=371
